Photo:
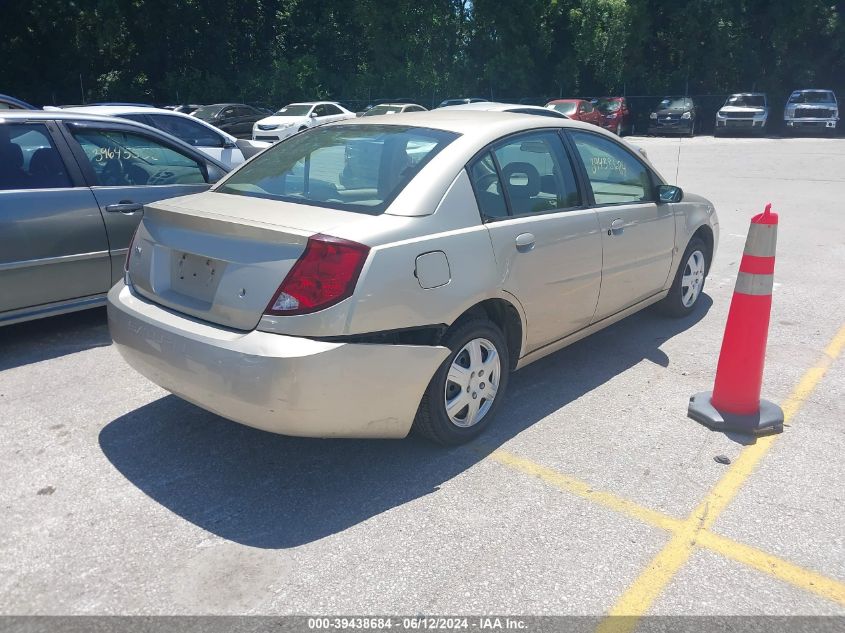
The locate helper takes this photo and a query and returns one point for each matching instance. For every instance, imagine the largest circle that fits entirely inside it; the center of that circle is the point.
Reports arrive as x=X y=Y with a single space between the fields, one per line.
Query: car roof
x=490 y=106
x=471 y=123
x=748 y=94
x=390 y=104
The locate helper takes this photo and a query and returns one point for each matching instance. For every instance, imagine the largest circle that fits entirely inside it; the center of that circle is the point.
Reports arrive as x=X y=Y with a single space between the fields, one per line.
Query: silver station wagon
x=384 y=274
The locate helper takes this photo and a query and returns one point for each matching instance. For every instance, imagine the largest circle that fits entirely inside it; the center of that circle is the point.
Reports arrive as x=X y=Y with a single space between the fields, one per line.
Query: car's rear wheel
x=689 y=280
x=467 y=389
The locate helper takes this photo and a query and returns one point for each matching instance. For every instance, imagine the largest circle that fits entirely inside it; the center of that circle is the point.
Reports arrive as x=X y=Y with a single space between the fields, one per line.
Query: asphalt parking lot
x=592 y=494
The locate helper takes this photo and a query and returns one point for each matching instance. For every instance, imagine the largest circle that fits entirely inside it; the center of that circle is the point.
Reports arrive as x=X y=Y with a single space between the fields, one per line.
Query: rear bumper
x=282 y=384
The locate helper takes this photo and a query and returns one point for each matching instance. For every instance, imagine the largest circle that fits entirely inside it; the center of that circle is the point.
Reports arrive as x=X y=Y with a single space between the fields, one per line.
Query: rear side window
x=191 y=132
x=536 y=173
x=29 y=160
x=488 y=187
x=358 y=168
x=122 y=159
x=616 y=177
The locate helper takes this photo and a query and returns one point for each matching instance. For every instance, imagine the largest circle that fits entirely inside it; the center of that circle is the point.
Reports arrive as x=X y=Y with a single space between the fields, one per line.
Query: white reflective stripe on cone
x=750 y=284
x=762 y=239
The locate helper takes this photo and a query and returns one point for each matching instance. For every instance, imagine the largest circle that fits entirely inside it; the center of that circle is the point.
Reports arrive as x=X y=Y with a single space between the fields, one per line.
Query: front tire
x=689 y=280
x=467 y=389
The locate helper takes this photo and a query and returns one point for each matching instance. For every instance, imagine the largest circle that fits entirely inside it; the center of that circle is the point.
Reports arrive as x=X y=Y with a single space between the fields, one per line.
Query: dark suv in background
x=674 y=115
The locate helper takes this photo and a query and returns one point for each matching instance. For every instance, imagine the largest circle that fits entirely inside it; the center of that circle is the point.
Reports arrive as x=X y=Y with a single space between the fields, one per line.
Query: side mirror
x=313 y=115
x=227 y=144
x=669 y=193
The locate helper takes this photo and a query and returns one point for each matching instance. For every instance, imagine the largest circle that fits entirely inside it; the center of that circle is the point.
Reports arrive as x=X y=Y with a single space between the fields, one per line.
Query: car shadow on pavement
x=271 y=491
x=43 y=339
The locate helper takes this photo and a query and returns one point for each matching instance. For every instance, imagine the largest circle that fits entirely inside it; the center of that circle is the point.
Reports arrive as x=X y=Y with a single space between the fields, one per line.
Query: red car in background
x=577 y=110
x=616 y=116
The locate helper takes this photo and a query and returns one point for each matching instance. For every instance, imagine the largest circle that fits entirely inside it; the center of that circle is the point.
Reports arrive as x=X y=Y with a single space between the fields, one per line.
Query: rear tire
x=688 y=285
x=479 y=350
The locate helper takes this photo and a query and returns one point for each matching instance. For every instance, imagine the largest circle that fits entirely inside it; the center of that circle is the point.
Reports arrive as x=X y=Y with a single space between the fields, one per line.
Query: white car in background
x=206 y=138
x=297 y=117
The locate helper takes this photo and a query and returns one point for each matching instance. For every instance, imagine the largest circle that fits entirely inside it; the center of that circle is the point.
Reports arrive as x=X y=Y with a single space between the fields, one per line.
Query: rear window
x=359 y=168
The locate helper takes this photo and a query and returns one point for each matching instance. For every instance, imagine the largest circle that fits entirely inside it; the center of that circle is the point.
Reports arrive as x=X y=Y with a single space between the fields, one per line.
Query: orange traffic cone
x=735 y=404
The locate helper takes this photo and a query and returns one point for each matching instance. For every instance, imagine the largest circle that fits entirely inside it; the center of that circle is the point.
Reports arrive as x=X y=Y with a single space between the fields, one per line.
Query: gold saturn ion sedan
x=378 y=275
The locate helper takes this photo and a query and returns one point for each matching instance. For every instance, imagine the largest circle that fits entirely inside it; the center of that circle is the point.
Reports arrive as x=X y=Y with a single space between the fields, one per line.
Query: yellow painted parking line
x=694 y=531
x=585 y=491
x=641 y=595
x=781 y=569
x=689 y=536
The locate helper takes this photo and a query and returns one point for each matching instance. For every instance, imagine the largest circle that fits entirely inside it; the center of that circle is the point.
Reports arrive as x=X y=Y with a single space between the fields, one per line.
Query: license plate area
x=195 y=276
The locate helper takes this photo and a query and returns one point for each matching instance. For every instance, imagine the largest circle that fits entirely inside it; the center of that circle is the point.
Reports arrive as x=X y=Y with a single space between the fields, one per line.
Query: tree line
x=278 y=51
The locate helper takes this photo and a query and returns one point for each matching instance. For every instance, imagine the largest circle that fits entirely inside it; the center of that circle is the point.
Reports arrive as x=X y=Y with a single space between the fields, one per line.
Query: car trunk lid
x=221 y=257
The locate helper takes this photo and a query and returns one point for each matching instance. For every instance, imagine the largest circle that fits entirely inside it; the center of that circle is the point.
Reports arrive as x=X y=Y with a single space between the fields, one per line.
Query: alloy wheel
x=472 y=382
x=693 y=279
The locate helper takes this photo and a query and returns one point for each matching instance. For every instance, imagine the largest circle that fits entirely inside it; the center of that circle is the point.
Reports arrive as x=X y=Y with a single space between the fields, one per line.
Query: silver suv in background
x=811 y=110
x=743 y=111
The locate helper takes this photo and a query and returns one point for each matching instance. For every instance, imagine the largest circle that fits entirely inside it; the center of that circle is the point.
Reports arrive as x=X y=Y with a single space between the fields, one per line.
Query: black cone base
x=769 y=419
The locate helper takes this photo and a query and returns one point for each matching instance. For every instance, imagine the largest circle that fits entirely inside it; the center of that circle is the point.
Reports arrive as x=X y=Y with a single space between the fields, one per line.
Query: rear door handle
x=525 y=242
x=126 y=207
x=616 y=227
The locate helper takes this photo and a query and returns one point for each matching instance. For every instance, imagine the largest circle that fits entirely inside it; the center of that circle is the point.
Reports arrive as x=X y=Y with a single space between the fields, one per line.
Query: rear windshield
x=565 y=108
x=358 y=168
x=812 y=96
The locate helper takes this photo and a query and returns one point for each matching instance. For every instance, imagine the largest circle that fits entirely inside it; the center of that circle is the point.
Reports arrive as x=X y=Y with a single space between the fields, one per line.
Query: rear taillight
x=324 y=275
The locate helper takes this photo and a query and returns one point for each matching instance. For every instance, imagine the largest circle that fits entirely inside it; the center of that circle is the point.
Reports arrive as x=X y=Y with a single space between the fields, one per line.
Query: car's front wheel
x=689 y=280
x=468 y=388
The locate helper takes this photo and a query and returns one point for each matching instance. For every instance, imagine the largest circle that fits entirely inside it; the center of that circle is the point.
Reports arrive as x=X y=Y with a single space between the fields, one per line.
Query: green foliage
x=277 y=51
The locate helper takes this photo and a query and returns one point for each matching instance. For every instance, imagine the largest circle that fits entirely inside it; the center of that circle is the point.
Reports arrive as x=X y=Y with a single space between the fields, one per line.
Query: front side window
x=191 y=132
x=357 y=168
x=332 y=109
x=536 y=174
x=615 y=176
x=29 y=160
x=122 y=159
